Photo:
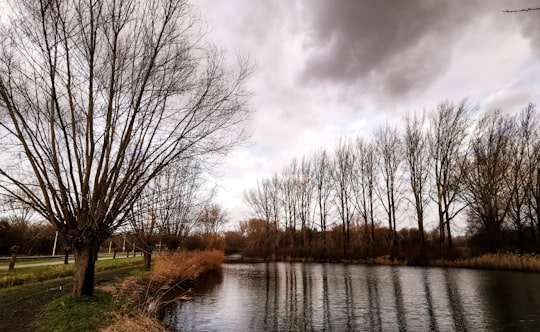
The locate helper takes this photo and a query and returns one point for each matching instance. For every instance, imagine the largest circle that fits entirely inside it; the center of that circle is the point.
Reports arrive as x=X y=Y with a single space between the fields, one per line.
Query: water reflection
x=335 y=297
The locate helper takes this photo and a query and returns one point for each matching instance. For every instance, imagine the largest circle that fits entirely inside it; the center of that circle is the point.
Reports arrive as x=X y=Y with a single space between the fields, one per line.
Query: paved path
x=21 y=266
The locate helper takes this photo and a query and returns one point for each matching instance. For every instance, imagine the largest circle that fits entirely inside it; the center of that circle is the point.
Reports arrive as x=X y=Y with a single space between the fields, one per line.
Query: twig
x=521 y=10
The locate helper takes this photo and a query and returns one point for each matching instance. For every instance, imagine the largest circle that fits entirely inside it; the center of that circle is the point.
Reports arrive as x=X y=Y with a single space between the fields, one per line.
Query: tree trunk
x=449 y=234
x=84 y=268
x=147 y=259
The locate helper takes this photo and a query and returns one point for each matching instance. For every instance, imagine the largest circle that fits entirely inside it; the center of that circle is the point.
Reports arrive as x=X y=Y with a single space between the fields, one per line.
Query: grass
x=513 y=262
x=20 y=262
x=27 y=275
x=89 y=313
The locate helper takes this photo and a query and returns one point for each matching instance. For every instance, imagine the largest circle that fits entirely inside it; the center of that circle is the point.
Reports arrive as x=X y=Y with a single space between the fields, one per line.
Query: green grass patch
x=20 y=262
x=28 y=275
x=89 y=313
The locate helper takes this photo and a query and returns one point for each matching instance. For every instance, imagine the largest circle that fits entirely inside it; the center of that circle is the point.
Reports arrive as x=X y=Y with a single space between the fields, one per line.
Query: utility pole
x=54 y=246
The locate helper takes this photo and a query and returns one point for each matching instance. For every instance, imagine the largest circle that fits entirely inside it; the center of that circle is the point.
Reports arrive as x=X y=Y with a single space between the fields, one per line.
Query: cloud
x=530 y=27
x=396 y=47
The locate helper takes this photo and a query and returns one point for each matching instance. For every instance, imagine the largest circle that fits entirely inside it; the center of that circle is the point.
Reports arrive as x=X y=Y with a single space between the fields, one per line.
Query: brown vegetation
x=184 y=265
x=136 y=323
x=170 y=279
x=514 y=262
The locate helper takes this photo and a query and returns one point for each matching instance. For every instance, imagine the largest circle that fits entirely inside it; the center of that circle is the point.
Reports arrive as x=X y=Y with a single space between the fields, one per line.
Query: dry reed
x=184 y=265
x=135 y=323
x=514 y=262
x=172 y=273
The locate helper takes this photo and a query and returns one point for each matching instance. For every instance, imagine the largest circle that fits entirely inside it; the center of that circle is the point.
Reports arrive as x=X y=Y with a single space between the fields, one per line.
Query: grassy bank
x=126 y=298
x=28 y=275
x=25 y=304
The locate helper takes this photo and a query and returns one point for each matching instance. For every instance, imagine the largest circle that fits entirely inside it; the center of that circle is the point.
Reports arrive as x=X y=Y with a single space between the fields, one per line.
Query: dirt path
x=21 y=305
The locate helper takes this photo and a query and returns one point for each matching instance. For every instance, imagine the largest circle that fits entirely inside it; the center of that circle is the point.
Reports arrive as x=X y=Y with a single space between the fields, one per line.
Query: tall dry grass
x=514 y=262
x=171 y=277
x=135 y=323
x=186 y=265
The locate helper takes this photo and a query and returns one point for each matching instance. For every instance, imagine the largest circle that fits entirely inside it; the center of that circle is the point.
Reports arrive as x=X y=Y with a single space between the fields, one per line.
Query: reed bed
x=502 y=261
x=170 y=279
x=184 y=265
x=135 y=323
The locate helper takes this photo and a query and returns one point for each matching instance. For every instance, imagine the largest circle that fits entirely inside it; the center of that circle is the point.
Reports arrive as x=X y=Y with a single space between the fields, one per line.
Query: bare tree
x=289 y=200
x=259 y=200
x=531 y=135
x=526 y=126
x=323 y=190
x=489 y=186
x=168 y=208
x=97 y=98
x=418 y=164
x=304 y=184
x=342 y=175
x=388 y=142
x=211 y=221
x=448 y=133
x=264 y=203
x=363 y=186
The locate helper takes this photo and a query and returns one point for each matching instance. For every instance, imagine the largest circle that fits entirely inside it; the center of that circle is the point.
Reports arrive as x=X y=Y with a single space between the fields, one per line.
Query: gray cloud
x=530 y=27
x=399 y=46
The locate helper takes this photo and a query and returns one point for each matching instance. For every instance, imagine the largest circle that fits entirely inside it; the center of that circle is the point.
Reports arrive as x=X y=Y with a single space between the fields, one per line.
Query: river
x=338 y=297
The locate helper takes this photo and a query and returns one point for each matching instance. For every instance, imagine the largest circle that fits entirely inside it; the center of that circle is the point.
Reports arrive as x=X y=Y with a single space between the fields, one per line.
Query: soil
x=22 y=305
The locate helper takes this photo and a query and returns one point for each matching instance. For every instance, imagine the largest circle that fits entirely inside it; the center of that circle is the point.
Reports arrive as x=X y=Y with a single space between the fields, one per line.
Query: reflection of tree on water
x=454 y=299
x=349 y=301
x=374 y=301
x=398 y=296
x=307 y=289
x=326 y=300
x=335 y=297
x=291 y=298
x=427 y=292
x=271 y=307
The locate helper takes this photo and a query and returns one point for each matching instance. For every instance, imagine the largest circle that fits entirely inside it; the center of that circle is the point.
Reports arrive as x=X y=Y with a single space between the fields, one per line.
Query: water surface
x=337 y=297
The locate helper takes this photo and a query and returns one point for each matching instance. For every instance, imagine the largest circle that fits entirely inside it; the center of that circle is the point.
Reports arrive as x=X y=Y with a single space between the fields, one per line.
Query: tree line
x=445 y=167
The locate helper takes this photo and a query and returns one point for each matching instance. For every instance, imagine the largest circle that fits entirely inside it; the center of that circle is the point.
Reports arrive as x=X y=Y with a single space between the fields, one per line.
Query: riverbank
x=26 y=305
x=126 y=298
x=497 y=261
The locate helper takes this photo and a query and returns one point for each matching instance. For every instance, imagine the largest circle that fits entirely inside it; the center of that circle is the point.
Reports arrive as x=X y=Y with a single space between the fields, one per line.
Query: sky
x=327 y=69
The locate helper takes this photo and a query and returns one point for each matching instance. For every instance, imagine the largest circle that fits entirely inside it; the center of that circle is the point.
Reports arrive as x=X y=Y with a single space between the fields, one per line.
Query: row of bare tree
x=445 y=161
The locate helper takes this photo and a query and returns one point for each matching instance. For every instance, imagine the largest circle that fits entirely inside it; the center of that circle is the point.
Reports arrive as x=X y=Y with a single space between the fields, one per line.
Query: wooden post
x=13 y=251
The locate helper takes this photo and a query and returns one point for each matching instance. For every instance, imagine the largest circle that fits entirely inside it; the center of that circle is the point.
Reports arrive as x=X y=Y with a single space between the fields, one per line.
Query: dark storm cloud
x=399 y=46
